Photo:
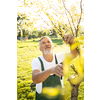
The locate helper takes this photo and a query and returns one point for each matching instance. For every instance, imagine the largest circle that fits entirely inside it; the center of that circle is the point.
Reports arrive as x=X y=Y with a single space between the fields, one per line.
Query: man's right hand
x=39 y=77
x=58 y=70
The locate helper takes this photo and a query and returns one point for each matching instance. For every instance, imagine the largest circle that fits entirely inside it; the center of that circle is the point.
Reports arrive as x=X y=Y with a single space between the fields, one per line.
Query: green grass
x=26 y=52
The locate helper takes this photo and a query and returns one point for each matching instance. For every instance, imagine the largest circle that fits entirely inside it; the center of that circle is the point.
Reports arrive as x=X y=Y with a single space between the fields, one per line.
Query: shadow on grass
x=32 y=41
x=21 y=47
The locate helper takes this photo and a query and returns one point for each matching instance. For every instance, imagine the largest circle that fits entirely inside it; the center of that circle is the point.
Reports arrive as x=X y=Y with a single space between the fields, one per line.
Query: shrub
x=30 y=95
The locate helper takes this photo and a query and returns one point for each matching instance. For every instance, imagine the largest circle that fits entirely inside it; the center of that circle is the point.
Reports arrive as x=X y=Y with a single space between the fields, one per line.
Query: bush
x=30 y=95
x=32 y=36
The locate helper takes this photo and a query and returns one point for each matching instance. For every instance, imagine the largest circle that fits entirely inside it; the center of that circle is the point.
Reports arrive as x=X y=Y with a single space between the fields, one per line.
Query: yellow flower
x=66 y=63
x=50 y=91
x=76 y=79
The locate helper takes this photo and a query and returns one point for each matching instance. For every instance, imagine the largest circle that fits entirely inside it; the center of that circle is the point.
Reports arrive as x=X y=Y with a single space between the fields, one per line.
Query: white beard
x=46 y=52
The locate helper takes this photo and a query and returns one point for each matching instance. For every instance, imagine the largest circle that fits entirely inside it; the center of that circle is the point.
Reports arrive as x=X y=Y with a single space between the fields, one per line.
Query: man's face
x=46 y=46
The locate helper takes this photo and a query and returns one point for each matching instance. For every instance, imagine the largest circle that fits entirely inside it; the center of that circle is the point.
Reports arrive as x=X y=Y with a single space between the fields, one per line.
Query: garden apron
x=51 y=81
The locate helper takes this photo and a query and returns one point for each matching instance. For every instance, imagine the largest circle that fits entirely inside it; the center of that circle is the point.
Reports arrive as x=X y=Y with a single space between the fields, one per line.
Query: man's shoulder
x=36 y=64
x=36 y=59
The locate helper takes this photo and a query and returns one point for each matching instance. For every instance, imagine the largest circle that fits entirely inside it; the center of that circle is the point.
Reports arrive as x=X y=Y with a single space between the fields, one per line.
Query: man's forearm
x=39 y=77
x=74 y=53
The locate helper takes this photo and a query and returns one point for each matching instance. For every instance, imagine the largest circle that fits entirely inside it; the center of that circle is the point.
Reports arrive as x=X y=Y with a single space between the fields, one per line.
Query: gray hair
x=44 y=37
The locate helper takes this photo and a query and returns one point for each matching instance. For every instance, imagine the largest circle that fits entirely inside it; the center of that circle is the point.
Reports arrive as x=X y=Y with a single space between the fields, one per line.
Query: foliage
x=60 y=19
x=58 y=15
x=28 y=50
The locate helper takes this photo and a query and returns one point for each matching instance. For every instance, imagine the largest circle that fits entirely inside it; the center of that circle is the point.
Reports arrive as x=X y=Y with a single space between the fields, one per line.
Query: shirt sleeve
x=36 y=64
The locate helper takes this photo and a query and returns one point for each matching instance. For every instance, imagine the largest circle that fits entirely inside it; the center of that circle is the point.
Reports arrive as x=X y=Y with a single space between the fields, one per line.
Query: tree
x=63 y=18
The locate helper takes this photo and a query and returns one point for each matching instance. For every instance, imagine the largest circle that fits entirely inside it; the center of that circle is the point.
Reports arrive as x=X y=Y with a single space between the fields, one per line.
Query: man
x=47 y=70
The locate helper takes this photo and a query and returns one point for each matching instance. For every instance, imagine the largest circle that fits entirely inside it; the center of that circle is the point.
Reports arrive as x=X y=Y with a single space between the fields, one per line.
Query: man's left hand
x=68 y=38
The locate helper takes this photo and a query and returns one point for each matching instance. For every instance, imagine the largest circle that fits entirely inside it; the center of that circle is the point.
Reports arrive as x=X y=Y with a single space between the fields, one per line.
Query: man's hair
x=44 y=37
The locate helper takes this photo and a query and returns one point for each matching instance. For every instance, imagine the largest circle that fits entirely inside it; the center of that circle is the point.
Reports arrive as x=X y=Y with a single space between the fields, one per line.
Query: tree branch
x=79 y=18
x=44 y=20
x=70 y=17
x=59 y=29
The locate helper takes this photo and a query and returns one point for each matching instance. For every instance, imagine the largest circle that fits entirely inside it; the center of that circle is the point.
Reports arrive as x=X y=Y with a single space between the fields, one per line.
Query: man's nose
x=47 y=43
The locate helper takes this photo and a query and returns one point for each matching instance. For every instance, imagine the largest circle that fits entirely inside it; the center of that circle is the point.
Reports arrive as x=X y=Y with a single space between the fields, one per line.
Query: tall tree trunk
x=74 y=92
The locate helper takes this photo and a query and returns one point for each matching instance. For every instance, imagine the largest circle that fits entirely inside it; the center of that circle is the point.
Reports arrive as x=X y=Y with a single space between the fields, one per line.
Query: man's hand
x=68 y=38
x=58 y=70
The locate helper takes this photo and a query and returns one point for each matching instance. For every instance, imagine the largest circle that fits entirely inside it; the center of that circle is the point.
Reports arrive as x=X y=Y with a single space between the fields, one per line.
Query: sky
x=34 y=14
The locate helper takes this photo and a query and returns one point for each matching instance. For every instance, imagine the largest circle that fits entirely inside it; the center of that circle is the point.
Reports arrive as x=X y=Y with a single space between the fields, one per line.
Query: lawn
x=26 y=52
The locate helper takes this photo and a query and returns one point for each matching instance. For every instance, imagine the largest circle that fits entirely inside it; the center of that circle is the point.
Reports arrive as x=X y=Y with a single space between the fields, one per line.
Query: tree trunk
x=74 y=92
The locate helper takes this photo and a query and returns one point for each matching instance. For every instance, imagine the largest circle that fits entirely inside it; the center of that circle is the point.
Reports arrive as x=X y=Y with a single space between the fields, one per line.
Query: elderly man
x=46 y=69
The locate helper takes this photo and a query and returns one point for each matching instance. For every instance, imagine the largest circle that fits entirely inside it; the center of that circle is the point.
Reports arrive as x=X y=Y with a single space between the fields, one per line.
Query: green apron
x=51 y=81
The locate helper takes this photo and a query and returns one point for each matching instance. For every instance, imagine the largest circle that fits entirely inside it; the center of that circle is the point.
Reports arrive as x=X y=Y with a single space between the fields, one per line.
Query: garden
x=26 y=52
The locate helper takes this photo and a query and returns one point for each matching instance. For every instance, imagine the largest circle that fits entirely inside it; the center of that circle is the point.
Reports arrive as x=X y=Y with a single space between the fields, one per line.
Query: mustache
x=47 y=47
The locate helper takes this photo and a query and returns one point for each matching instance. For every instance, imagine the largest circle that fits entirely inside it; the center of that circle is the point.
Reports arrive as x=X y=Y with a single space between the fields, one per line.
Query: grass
x=26 y=52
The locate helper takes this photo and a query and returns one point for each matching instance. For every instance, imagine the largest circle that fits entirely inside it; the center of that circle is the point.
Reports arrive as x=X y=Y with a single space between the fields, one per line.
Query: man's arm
x=74 y=53
x=39 y=77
